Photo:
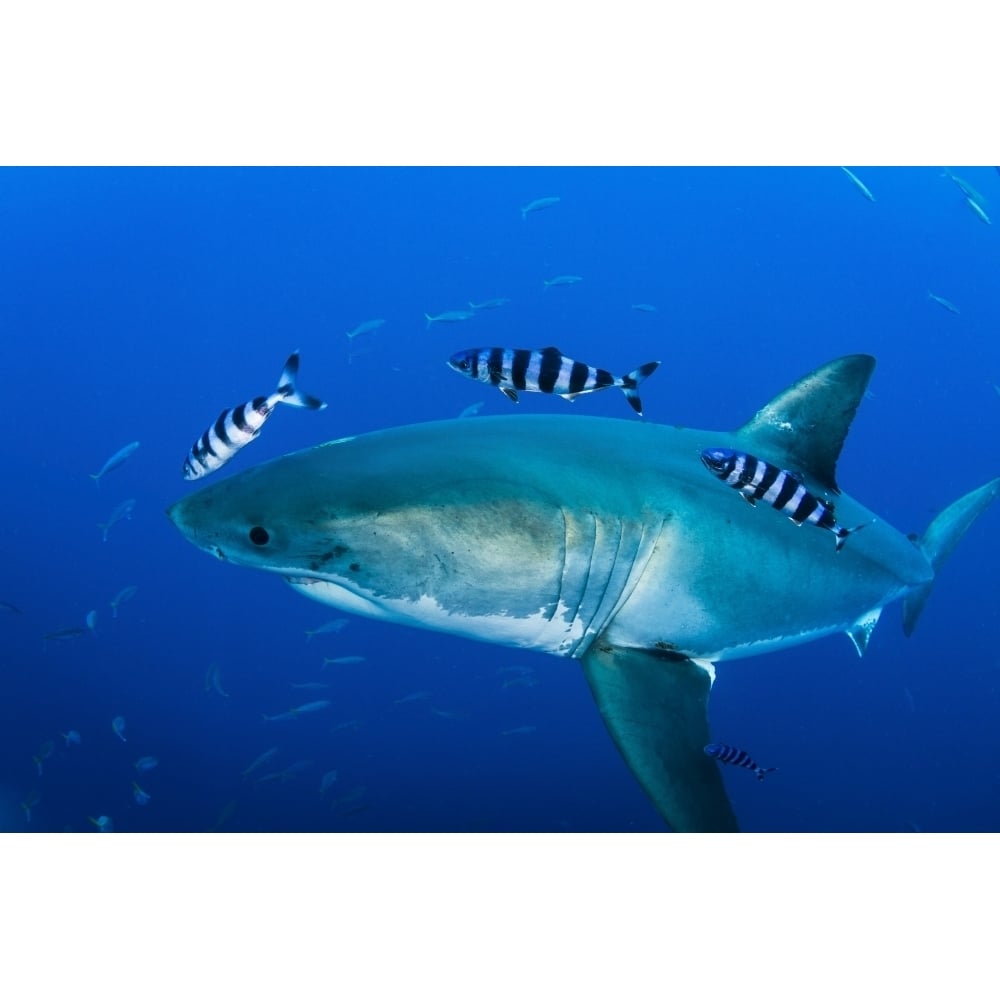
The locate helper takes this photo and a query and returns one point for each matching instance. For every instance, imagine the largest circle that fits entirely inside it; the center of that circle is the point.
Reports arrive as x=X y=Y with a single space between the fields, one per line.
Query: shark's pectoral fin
x=655 y=707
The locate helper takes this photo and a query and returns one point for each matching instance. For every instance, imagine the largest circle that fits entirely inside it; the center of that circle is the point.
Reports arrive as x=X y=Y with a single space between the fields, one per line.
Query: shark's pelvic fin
x=655 y=707
x=804 y=427
x=861 y=631
x=939 y=541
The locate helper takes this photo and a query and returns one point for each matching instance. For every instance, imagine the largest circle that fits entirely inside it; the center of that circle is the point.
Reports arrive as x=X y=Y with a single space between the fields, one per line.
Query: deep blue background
x=137 y=303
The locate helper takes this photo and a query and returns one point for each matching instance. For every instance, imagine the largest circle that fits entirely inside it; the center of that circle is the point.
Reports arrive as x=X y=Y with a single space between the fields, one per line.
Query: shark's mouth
x=337 y=595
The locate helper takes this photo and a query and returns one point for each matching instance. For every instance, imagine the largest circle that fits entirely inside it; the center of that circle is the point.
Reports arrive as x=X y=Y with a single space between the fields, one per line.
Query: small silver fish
x=943 y=302
x=123 y=595
x=644 y=307
x=471 y=411
x=350 y=724
x=343 y=660
x=297 y=767
x=327 y=782
x=114 y=461
x=859 y=185
x=451 y=316
x=64 y=634
x=260 y=761
x=965 y=187
x=294 y=713
x=563 y=279
x=122 y=512
x=414 y=696
x=537 y=205
x=369 y=326
x=449 y=713
x=977 y=208
x=335 y=625
x=213 y=680
x=488 y=304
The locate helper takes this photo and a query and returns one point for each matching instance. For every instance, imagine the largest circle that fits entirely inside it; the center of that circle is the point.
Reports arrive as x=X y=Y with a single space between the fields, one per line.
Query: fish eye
x=259 y=535
x=464 y=364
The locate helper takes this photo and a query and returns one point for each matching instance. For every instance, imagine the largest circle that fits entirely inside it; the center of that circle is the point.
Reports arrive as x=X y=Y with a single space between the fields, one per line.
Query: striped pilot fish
x=236 y=428
x=759 y=480
x=545 y=370
x=739 y=758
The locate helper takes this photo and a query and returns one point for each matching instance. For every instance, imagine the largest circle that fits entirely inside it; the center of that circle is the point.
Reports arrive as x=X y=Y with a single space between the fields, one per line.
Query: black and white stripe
x=237 y=427
x=546 y=369
x=738 y=758
x=756 y=480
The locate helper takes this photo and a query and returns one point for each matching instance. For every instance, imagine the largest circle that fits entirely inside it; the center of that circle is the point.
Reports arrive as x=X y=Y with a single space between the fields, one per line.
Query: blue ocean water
x=138 y=303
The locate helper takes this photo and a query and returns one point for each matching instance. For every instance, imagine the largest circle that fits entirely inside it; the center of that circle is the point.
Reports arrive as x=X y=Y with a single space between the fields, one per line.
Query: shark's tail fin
x=761 y=771
x=940 y=539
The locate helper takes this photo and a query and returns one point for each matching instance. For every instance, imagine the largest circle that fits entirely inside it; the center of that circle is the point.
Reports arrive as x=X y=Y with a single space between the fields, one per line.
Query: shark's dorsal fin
x=655 y=706
x=805 y=426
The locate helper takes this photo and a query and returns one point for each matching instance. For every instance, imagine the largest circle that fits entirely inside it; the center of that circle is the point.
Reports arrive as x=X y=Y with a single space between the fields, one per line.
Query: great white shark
x=602 y=540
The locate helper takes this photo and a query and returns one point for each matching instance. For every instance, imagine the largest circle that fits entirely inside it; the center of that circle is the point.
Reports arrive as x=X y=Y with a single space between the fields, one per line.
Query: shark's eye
x=259 y=535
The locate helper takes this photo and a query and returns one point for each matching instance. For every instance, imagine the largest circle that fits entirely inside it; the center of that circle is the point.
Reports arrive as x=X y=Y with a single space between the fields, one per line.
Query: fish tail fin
x=104 y=531
x=629 y=384
x=430 y=319
x=761 y=771
x=288 y=391
x=843 y=533
x=96 y=476
x=939 y=541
